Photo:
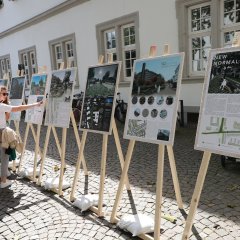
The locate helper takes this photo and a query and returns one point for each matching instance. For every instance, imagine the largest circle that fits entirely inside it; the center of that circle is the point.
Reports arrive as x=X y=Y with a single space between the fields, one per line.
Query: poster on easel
x=60 y=95
x=16 y=95
x=37 y=94
x=152 y=108
x=4 y=82
x=100 y=97
x=219 y=120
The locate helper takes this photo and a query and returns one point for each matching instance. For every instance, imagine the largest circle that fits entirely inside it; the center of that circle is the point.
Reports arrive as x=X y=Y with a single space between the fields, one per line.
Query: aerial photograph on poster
x=17 y=87
x=100 y=97
x=152 y=111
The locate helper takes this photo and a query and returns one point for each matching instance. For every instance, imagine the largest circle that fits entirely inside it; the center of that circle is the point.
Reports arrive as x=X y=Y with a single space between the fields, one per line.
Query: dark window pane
x=128 y=63
x=238 y=16
x=196 y=54
x=206 y=41
x=237 y=4
x=228 y=18
x=126 y=41
x=228 y=6
x=206 y=11
x=114 y=57
x=132 y=62
x=196 y=43
x=128 y=72
x=126 y=32
x=206 y=23
x=114 y=44
x=195 y=13
x=133 y=54
x=195 y=26
x=127 y=55
x=132 y=30
x=132 y=39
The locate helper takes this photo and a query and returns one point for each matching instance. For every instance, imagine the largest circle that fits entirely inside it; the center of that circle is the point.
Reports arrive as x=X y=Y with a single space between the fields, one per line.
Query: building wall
x=157 y=26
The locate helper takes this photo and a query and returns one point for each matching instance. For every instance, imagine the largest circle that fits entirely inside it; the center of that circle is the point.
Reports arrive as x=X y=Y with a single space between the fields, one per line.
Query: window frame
x=117 y=24
x=62 y=42
x=7 y=64
x=29 y=69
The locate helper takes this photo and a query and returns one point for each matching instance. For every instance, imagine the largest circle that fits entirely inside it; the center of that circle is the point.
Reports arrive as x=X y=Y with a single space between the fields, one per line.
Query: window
x=63 y=50
x=27 y=57
x=120 y=37
x=204 y=25
x=5 y=66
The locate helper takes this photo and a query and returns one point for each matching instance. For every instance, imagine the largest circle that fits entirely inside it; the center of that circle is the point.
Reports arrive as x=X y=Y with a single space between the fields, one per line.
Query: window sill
x=192 y=79
x=124 y=84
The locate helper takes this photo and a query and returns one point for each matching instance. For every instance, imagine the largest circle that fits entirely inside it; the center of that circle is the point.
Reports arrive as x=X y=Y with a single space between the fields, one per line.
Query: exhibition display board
x=218 y=126
x=4 y=82
x=98 y=117
x=151 y=117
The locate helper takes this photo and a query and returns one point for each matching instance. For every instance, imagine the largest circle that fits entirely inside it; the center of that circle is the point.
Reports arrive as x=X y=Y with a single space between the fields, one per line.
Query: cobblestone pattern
x=27 y=211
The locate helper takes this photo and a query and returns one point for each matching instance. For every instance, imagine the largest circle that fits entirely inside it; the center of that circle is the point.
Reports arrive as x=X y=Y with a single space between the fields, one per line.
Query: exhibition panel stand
x=64 y=80
x=136 y=128
x=35 y=116
x=218 y=125
x=96 y=126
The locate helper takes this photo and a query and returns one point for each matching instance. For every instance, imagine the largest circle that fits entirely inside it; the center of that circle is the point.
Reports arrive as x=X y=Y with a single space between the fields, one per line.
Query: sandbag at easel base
x=86 y=201
x=53 y=182
x=17 y=161
x=28 y=172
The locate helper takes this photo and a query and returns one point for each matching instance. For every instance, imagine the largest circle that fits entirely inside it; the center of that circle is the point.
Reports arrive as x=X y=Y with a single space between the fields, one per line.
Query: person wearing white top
x=5 y=110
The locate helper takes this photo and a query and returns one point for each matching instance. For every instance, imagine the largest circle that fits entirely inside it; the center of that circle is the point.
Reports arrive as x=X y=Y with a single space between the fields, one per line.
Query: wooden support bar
x=36 y=152
x=56 y=140
x=119 y=150
x=159 y=187
x=174 y=176
x=122 y=179
x=64 y=137
x=196 y=195
x=78 y=164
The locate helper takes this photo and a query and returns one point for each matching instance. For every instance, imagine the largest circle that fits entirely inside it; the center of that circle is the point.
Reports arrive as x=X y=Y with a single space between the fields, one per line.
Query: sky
x=100 y=71
x=37 y=78
x=164 y=65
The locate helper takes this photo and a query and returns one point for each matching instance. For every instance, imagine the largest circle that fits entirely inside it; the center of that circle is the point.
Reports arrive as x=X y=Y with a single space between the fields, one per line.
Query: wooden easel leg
x=174 y=176
x=102 y=174
x=119 y=150
x=64 y=137
x=56 y=140
x=159 y=187
x=76 y=175
x=196 y=195
x=36 y=152
x=18 y=132
x=24 y=147
x=78 y=142
x=44 y=154
x=122 y=180
x=35 y=137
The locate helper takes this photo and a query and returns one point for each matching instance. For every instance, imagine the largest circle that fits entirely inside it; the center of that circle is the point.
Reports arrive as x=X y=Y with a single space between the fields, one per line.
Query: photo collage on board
x=60 y=95
x=153 y=105
x=99 y=99
x=37 y=94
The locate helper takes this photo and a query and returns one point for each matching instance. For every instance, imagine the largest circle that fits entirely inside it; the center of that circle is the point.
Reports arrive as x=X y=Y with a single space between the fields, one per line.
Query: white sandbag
x=17 y=161
x=86 y=201
x=54 y=183
x=137 y=224
x=28 y=172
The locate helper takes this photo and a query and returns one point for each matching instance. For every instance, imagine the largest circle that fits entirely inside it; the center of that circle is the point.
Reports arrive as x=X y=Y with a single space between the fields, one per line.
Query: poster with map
x=4 y=82
x=219 y=121
x=37 y=94
x=16 y=95
x=60 y=95
x=100 y=97
x=153 y=101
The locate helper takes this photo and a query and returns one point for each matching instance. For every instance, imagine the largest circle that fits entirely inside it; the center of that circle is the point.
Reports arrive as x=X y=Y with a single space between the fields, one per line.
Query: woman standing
x=5 y=110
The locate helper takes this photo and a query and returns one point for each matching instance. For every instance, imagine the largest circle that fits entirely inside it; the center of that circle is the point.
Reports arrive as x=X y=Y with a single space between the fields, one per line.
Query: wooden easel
x=16 y=122
x=61 y=149
x=36 y=137
x=202 y=174
x=159 y=184
x=98 y=210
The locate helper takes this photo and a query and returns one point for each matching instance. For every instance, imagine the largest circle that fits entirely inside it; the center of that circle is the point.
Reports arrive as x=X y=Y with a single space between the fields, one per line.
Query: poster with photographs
x=60 y=95
x=16 y=95
x=4 y=82
x=219 y=121
x=153 y=101
x=37 y=94
x=100 y=97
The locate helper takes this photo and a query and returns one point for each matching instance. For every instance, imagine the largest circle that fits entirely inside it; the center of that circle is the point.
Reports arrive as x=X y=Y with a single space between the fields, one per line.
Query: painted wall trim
x=42 y=16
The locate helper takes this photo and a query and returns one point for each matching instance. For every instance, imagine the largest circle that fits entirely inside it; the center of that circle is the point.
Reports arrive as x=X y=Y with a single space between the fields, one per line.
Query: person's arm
x=25 y=107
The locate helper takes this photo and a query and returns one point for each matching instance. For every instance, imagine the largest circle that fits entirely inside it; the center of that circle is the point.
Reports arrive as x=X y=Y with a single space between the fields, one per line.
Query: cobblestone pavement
x=27 y=211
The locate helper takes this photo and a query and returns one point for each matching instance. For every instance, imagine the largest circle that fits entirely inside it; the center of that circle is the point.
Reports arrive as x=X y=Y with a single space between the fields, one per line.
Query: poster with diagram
x=100 y=97
x=37 y=94
x=16 y=95
x=219 y=120
x=60 y=95
x=153 y=101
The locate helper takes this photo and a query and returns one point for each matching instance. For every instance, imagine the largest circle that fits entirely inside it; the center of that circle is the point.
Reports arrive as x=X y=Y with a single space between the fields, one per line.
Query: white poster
x=219 y=121
x=37 y=94
x=60 y=95
x=152 y=109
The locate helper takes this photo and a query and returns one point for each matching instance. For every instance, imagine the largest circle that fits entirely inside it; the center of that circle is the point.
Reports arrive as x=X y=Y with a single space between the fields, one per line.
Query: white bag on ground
x=28 y=172
x=54 y=183
x=86 y=201
x=137 y=224
x=17 y=161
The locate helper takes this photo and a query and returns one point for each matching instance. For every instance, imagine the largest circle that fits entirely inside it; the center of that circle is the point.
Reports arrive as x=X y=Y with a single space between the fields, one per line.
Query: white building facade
x=46 y=33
